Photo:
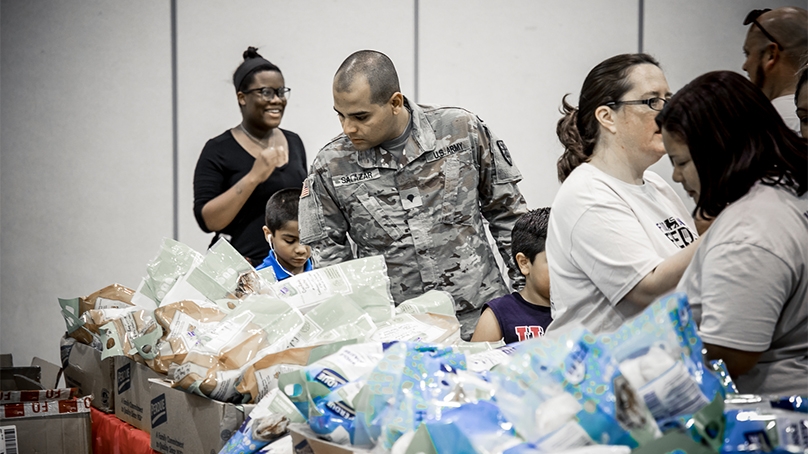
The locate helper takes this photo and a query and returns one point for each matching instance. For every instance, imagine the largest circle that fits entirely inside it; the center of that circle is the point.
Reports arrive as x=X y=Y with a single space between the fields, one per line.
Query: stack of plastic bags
x=219 y=328
x=643 y=388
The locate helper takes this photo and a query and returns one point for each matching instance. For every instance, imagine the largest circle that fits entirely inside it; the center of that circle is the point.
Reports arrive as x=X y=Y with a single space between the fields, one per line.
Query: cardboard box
x=184 y=423
x=131 y=391
x=86 y=371
x=305 y=441
x=67 y=433
x=38 y=420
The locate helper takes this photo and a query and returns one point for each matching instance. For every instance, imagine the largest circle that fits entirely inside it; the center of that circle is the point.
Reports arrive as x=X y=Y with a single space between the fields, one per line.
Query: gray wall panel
x=85 y=179
x=511 y=62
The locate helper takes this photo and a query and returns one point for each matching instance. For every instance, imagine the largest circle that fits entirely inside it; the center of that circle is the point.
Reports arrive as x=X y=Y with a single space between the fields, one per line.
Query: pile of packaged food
x=330 y=353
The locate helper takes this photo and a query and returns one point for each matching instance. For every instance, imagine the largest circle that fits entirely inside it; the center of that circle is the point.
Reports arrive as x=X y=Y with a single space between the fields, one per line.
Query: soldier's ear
x=397 y=102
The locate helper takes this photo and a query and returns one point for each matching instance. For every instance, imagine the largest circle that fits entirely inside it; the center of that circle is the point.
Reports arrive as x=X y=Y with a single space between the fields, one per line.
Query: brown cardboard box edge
x=186 y=423
x=66 y=433
x=131 y=390
x=91 y=375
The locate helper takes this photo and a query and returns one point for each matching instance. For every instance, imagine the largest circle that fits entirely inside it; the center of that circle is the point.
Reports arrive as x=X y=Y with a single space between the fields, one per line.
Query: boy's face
x=537 y=273
x=286 y=243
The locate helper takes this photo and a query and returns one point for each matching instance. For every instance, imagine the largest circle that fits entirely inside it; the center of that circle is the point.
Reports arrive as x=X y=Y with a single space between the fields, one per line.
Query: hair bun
x=250 y=53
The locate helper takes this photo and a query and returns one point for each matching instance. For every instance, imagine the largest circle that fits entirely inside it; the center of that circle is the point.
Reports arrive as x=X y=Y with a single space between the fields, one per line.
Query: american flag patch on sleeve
x=305 y=191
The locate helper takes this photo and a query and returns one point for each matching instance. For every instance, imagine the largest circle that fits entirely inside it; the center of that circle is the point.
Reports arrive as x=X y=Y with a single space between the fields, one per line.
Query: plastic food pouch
x=124 y=326
x=319 y=379
x=659 y=352
x=488 y=359
x=112 y=296
x=611 y=411
x=471 y=348
x=223 y=276
x=93 y=319
x=433 y=301
x=261 y=378
x=472 y=427
x=259 y=326
x=427 y=328
x=337 y=318
x=182 y=323
x=173 y=260
x=400 y=389
x=771 y=431
x=267 y=422
x=541 y=410
x=364 y=281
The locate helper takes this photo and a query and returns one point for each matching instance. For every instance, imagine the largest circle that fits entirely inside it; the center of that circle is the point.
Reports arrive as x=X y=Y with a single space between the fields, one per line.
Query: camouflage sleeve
x=322 y=224
x=500 y=200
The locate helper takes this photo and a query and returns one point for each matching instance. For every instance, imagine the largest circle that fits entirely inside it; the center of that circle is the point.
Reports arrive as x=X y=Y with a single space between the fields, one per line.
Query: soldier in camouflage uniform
x=412 y=183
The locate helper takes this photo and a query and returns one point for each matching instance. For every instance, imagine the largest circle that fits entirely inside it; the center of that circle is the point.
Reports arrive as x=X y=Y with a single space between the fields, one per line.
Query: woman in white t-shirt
x=748 y=281
x=619 y=237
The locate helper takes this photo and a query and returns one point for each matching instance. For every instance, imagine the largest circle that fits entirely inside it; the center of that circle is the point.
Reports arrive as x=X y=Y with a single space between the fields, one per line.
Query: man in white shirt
x=775 y=45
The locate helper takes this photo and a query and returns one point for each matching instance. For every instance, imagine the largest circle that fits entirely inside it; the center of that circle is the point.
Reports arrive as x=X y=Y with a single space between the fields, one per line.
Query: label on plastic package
x=186 y=369
x=267 y=379
x=226 y=333
x=129 y=325
x=112 y=312
x=187 y=329
x=673 y=393
x=308 y=289
x=486 y=360
x=410 y=329
x=354 y=360
x=570 y=435
x=104 y=303
x=225 y=385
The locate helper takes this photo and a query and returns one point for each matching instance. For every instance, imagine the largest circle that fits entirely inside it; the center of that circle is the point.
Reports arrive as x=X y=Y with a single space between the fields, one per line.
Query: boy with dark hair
x=524 y=314
x=287 y=256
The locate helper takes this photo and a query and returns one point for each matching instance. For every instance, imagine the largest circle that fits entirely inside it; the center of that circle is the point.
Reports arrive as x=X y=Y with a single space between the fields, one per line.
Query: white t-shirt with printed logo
x=604 y=236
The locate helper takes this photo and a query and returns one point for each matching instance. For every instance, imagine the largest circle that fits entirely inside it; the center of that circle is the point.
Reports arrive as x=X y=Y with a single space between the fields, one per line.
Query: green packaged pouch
x=173 y=261
x=337 y=318
x=433 y=301
x=364 y=281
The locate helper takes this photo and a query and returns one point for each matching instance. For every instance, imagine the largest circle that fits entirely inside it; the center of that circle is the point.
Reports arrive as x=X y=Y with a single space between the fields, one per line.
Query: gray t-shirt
x=748 y=287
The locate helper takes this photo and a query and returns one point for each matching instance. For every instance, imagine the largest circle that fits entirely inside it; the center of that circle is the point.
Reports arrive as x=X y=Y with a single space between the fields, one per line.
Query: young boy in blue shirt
x=287 y=256
x=524 y=314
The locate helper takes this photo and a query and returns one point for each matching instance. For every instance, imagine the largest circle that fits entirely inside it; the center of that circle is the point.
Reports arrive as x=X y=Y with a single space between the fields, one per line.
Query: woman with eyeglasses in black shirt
x=239 y=170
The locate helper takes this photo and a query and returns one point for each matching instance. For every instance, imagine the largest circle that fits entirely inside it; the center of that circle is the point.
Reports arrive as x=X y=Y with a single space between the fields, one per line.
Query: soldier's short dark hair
x=376 y=67
x=529 y=234
x=281 y=208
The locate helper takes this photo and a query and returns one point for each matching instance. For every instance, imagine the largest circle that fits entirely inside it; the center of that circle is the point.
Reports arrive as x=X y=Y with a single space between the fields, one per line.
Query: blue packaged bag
x=660 y=354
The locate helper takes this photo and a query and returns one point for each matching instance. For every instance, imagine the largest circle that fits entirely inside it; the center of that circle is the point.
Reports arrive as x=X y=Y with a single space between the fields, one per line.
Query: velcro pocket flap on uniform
x=377 y=212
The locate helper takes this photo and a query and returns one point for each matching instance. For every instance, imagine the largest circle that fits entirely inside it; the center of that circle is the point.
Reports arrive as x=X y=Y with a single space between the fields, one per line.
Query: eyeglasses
x=268 y=93
x=654 y=103
x=752 y=18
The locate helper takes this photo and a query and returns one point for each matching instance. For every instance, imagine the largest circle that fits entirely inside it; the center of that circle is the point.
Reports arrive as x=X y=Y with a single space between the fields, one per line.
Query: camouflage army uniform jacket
x=423 y=211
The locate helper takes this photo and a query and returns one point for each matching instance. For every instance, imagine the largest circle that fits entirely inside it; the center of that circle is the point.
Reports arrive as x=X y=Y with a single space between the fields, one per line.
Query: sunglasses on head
x=752 y=18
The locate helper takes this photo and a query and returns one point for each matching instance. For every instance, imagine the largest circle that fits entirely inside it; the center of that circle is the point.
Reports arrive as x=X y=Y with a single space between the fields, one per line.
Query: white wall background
x=86 y=122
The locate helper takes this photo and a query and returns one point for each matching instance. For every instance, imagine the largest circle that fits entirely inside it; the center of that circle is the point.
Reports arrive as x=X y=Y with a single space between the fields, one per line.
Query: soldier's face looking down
x=365 y=123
